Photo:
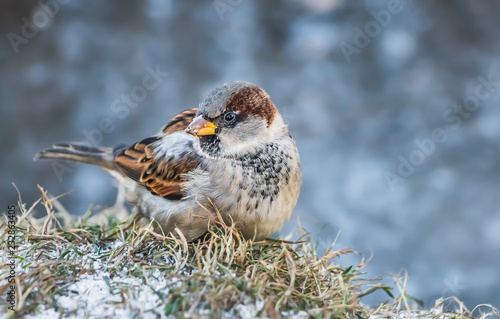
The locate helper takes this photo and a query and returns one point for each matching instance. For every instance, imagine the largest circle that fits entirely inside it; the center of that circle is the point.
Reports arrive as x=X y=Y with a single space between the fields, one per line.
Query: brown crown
x=252 y=100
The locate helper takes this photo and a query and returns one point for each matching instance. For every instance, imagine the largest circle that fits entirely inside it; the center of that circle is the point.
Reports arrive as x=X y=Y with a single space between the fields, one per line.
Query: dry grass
x=146 y=273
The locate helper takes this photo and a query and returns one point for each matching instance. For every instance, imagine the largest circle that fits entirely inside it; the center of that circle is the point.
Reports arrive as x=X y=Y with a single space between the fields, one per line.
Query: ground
x=107 y=265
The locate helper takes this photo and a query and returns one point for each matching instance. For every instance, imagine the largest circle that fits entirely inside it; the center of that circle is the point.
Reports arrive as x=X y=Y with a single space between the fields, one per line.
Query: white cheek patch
x=251 y=134
x=245 y=136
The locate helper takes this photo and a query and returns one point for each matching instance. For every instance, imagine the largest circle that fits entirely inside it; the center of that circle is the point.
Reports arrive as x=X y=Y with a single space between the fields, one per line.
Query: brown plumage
x=252 y=100
x=180 y=122
x=233 y=151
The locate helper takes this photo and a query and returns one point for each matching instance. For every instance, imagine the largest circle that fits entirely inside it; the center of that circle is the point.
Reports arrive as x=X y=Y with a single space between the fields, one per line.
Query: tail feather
x=100 y=156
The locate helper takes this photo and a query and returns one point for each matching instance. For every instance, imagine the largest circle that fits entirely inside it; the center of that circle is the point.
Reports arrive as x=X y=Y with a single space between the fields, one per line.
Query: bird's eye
x=230 y=116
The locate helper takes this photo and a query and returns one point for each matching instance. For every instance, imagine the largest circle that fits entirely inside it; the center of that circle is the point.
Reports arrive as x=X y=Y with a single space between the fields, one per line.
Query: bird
x=233 y=156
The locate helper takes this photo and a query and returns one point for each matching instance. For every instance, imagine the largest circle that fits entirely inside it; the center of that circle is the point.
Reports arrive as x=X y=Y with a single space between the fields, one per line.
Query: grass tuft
x=95 y=266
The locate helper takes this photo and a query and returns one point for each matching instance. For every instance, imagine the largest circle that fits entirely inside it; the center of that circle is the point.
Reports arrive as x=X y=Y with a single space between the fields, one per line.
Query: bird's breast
x=251 y=183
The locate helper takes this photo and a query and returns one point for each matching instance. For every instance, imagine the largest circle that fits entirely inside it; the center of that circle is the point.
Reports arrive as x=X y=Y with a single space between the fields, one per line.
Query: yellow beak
x=201 y=127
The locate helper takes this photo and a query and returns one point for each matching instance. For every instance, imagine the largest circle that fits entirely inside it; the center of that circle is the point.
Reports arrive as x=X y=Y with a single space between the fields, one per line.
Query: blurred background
x=393 y=104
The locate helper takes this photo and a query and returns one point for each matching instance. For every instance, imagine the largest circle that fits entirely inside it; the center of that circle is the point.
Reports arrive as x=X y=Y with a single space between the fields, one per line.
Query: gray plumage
x=245 y=163
x=213 y=104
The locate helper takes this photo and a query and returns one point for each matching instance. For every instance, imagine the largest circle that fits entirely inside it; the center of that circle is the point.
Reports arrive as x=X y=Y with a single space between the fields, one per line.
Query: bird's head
x=235 y=118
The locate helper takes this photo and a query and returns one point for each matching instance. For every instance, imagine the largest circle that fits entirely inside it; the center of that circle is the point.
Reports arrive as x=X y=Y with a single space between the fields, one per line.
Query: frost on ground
x=91 y=296
x=95 y=291
x=120 y=268
x=98 y=292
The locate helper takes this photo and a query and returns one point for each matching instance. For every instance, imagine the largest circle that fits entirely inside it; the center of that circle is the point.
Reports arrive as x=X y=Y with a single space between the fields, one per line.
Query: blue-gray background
x=355 y=105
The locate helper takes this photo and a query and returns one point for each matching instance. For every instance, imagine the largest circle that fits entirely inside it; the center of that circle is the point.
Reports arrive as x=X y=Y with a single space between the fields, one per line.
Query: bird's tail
x=100 y=156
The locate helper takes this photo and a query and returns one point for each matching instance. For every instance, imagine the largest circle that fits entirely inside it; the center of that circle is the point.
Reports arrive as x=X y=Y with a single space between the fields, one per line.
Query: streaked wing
x=180 y=122
x=160 y=162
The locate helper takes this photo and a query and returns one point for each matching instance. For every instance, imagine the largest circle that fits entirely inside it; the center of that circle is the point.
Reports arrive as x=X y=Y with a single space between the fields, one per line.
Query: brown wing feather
x=162 y=176
x=132 y=160
x=180 y=122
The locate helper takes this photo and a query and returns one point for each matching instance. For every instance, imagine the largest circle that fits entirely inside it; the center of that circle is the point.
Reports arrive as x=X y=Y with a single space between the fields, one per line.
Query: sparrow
x=233 y=155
